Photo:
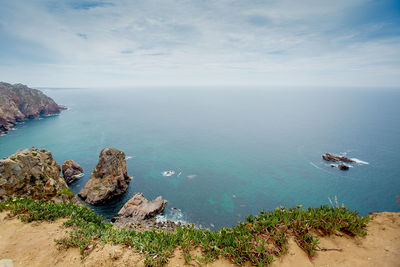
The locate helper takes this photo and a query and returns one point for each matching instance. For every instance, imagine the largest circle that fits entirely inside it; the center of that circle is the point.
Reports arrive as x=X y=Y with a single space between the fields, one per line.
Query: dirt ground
x=32 y=244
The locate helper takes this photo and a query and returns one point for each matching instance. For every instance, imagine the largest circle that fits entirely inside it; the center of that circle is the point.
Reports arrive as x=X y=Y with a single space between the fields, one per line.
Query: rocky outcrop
x=71 y=171
x=335 y=158
x=35 y=174
x=343 y=167
x=139 y=214
x=109 y=178
x=19 y=102
x=139 y=208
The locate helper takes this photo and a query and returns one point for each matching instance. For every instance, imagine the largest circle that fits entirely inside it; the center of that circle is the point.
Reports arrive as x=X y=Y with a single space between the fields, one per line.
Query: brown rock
x=71 y=171
x=139 y=208
x=35 y=174
x=343 y=167
x=109 y=178
x=335 y=158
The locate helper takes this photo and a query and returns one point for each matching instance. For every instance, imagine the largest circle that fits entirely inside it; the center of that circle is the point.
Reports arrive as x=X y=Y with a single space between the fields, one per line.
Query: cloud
x=285 y=42
x=82 y=35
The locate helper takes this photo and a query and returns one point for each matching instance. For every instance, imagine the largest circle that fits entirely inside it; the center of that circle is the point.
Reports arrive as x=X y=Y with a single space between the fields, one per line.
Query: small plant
x=66 y=191
x=259 y=239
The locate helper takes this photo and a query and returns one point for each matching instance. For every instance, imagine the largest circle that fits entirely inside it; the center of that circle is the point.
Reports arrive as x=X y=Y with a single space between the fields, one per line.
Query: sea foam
x=359 y=161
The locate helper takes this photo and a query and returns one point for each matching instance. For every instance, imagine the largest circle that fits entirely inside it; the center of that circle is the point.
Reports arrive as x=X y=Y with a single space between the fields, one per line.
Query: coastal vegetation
x=257 y=240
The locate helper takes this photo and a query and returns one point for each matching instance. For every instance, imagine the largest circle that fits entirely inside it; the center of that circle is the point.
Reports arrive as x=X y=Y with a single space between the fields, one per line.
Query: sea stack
x=19 y=102
x=71 y=171
x=109 y=179
x=33 y=173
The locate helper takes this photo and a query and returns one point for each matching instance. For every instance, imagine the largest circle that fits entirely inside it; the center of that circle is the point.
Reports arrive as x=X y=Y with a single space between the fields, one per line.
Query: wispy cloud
x=285 y=42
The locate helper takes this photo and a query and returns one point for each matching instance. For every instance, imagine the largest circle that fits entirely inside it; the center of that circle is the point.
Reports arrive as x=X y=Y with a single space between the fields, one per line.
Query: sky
x=85 y=43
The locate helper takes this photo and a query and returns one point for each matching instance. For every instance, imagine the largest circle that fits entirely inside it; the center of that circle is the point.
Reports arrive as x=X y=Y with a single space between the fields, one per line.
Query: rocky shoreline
x=18 y=102
x=33 y=173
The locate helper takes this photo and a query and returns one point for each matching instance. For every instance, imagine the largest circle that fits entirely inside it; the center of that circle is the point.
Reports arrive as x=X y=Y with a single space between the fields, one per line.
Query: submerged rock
x=343 y=167
x=35 y=174
x=335 y=158
x=19 y=102
x=109 y=178
x=71 y=171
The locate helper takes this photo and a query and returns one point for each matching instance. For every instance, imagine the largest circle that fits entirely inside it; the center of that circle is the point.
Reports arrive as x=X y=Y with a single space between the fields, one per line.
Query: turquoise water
x=233 y=151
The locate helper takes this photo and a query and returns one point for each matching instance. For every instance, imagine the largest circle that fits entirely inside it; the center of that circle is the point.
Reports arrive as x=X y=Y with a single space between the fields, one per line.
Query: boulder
x=71 y=171
x=335 y=158
x=33 y=173
x=139 y=208
x=109 y=178
x=343 y=167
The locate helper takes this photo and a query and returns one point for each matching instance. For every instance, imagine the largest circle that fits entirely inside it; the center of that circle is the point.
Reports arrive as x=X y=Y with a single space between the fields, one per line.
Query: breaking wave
x=360 y=161
x=173 y=214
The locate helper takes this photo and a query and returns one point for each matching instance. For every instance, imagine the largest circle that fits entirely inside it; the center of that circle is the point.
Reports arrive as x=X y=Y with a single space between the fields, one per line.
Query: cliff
x=32 y=244
x=19 y=102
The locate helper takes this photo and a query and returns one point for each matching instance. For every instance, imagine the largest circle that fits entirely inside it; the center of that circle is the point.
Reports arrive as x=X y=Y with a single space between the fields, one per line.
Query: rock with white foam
x=139 y=208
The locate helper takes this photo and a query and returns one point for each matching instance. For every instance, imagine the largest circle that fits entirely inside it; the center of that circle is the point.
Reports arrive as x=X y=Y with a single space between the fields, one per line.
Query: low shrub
x=259 y=239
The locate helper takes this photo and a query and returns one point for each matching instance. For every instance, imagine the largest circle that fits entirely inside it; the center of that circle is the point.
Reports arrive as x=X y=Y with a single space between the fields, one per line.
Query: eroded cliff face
x=33 y=173
x=19 y=102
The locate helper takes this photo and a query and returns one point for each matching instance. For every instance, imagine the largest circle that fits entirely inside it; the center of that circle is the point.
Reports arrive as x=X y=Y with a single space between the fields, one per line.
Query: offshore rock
x=335 y=158
x=33 y=173
x=71 y=171
x=343 y=167
x=139 y=214
x=139 y=208
x=109 y=178
x=19 y=102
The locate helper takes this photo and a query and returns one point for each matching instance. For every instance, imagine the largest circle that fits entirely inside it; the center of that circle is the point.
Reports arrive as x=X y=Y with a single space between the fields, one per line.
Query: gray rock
x=71 y=171
x=109 y=178
x=139 y=208
x=35 y=174
x=139 y=214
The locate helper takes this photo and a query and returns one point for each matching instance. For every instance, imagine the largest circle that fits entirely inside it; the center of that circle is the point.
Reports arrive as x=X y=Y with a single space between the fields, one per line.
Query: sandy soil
x=33 y=245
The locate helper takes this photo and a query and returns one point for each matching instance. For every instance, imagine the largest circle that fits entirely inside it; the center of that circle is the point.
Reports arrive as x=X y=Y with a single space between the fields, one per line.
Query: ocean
x=231 y=151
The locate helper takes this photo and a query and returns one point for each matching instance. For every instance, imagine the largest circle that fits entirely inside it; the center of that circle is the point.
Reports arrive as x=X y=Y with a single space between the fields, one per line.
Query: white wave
x=129 y=157
x=80 y=175
x=191 y=176
x=168 y=173
x=179 y=174
x=360 y=161
x=173 y=214
x=312 y=164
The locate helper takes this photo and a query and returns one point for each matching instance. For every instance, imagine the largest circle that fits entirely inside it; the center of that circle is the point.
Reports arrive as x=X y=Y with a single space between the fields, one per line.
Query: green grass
x=66 y=191
x=259 y=239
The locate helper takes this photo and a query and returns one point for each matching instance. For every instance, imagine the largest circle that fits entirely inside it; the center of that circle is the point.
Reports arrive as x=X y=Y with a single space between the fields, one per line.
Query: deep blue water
x=237 y=151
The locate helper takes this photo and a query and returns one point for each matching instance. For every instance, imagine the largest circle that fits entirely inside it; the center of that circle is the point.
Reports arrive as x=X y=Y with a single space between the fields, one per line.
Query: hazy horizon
x=96 y=43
